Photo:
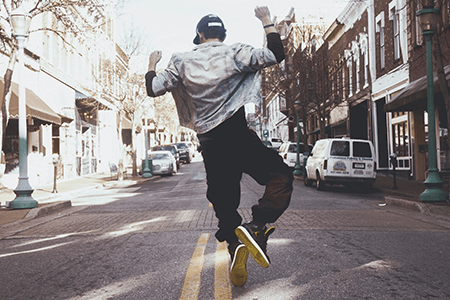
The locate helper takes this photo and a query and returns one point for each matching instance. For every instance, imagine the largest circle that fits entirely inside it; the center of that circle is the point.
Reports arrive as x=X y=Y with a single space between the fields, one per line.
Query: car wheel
x=188 y=160
x=320 y=184
x=306 y=181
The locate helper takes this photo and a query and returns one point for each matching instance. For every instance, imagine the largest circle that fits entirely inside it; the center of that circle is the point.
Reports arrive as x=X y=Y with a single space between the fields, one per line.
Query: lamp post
x=433 y=193
x=298 y=168
x=146 y=172
x=20 y=22
x=265 y=131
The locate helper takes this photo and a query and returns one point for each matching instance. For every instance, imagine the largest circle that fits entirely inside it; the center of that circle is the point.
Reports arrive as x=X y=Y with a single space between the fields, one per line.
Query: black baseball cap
x=206 y=22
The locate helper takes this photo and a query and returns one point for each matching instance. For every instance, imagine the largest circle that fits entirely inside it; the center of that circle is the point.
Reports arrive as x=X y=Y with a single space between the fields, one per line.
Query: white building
x=73 y=84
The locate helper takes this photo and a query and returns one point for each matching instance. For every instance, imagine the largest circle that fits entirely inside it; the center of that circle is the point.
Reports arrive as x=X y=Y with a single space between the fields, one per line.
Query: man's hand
x=155 y=57
x=263 y=13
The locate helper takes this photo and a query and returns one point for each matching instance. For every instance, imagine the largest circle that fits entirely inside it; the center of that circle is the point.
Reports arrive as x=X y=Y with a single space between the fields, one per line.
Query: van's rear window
x=361 y=149
x=340 y=148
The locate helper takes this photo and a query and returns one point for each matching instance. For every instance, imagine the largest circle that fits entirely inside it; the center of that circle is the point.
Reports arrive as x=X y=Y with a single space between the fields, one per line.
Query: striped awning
x=36 y=107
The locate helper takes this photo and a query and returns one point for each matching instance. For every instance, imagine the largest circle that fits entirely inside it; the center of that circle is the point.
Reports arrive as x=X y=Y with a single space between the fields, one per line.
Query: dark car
x=183 y=150
x=171 y=148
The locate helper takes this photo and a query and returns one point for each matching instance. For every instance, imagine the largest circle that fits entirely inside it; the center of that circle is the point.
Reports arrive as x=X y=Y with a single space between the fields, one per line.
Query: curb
x=47 y=209
x=412 y=205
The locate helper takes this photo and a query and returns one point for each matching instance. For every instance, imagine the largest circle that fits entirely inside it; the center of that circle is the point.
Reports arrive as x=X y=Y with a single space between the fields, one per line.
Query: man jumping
x=210 y=85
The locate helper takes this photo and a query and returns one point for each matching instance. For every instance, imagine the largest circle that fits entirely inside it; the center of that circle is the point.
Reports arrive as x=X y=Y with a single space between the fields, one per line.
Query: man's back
x=214 y=80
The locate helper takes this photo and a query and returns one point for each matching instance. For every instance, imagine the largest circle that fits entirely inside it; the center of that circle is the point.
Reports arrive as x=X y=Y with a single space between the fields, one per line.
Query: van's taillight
x=325 y=164
x=375 y=166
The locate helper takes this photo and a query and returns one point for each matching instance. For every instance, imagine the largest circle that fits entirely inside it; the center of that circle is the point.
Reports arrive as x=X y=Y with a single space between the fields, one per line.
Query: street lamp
x=20 y=22
x=298 y=168
x=146 y=172
x=265 y=131
x=433 y=193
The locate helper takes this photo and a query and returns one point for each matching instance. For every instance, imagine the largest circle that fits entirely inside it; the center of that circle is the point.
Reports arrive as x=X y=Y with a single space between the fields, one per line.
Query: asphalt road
x=156 y=241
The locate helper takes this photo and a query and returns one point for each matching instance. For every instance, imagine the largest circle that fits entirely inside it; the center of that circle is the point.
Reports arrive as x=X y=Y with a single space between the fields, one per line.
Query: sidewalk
x=65 y=188
x=407 y=195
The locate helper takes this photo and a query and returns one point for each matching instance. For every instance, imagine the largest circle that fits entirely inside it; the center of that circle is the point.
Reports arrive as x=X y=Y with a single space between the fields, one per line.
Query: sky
x=169 y=25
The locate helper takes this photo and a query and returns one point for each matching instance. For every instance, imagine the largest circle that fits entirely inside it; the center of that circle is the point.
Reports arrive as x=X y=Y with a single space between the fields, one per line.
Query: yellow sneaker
x=238 y=271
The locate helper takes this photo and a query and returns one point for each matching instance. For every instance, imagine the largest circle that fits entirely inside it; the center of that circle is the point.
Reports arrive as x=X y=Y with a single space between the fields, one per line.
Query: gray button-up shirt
x=211 y=82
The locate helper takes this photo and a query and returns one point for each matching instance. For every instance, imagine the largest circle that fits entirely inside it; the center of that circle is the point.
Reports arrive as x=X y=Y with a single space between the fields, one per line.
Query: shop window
x=400 y=139
x=398 y=114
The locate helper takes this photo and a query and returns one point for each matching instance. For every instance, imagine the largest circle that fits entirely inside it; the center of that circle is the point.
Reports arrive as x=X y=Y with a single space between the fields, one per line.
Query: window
x=418 y=28
x=350 y=81
x=361 y=149
x=356 y=56
x=400 y=139
x=382 y=49
x=363 y=40
x=55 y=139
x=380 y=30
x=366 y=69
x=394 y=16
x=358 y=68
x=340 y=148
x=446 y=13
x=348 y=58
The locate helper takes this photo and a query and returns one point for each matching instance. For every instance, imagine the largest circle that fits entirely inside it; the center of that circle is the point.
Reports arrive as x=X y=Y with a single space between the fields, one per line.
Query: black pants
x=230 y=150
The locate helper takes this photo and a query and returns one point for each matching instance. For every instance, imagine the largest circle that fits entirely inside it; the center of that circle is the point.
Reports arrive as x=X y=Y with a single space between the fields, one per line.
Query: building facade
x=73 y=81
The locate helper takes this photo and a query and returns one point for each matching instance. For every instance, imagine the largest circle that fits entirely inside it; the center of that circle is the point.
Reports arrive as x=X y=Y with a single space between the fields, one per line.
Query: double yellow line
x=192 y=282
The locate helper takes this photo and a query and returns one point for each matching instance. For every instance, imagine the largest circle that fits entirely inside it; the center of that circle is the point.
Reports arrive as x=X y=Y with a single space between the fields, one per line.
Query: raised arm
x=153 y=60
x=273 y=38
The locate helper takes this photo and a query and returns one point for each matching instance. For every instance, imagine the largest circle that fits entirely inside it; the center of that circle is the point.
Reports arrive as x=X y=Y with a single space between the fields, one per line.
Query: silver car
x=163 y=162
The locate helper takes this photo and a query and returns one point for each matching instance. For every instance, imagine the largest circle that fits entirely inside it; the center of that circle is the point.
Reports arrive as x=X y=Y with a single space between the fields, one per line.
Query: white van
x=350 y=162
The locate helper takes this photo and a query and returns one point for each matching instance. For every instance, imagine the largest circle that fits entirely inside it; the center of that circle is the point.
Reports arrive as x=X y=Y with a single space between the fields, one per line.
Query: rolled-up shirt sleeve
x=249 y=59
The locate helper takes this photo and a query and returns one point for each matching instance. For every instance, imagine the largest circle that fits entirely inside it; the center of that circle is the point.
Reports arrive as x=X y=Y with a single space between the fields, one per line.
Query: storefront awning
x=126 y=123
x=414 y=96
x=65 y=119
x=36 y=107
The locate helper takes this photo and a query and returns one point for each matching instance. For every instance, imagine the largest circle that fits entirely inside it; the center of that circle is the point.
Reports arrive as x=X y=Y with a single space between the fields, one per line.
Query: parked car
x=163 y=162
x=288 y=152
x=185 y=152
x=191 y=149
x=350 y=162
x=276 y=143
x=173 y=149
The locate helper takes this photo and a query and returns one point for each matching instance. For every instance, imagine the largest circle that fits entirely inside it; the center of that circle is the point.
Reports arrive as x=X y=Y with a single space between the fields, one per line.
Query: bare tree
x=133 y=39
x=295 y=79
x=166 y=115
